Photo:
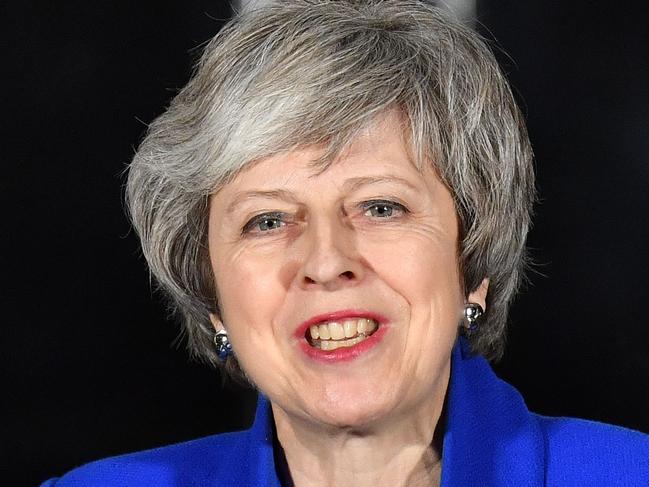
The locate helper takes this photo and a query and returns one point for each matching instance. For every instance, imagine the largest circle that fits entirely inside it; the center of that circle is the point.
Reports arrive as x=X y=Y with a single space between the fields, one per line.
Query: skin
x=372 y=420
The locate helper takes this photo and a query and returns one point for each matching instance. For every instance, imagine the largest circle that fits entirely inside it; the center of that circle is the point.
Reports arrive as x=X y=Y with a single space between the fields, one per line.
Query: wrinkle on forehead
x=362 y=140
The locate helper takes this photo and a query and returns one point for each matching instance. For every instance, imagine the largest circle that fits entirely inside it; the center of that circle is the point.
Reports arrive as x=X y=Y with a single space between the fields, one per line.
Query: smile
x=339 y=334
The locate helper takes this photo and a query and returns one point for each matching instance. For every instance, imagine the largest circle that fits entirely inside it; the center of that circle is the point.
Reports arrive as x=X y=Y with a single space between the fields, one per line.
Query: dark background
x=87 y=364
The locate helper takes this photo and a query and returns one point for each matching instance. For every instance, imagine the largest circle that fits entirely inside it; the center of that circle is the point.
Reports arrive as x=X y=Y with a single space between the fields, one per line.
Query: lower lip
x=344 y=354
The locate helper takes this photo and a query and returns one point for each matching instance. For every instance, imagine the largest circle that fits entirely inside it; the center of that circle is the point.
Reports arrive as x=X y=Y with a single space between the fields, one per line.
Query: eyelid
x=268 y=215
x=365 y=205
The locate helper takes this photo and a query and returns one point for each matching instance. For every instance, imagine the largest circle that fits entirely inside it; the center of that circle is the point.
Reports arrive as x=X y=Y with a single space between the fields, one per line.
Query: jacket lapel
x=256 y=461
x=491 y=439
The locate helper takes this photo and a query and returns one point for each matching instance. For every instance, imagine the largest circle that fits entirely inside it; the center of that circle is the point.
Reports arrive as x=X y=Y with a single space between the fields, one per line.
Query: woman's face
x=368 y=242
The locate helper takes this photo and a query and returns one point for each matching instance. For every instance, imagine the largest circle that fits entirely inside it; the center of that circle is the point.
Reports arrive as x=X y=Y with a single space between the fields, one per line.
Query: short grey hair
x=301 y=72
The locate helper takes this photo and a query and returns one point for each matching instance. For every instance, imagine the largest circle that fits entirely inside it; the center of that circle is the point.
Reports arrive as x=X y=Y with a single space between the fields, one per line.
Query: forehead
x=378 y=149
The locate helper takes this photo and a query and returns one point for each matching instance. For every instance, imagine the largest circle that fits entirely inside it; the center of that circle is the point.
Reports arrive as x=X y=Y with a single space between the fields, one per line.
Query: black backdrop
x=87 y=364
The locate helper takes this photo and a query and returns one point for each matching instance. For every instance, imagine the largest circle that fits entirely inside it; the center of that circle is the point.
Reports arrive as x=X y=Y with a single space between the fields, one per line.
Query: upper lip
x=340 y=315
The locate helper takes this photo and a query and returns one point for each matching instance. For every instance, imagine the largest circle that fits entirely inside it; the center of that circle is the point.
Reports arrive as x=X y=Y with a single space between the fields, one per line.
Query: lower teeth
x=334 y=344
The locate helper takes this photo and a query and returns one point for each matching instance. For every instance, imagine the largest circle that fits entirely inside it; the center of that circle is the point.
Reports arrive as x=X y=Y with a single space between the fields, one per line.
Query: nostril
x=349 y=275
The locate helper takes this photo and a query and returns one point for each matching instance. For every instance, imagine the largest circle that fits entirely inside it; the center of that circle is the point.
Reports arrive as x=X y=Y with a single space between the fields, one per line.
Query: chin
x=353 y=408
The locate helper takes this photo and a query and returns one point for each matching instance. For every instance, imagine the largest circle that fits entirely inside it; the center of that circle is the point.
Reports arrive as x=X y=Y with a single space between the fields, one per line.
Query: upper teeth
x=339 y=330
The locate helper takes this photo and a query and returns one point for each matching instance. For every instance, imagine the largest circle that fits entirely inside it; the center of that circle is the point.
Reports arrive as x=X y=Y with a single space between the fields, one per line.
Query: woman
x=340 y=192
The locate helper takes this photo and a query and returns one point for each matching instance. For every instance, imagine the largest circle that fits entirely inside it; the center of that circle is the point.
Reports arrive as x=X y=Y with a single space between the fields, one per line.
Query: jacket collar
x=261 y=470
x=490 y=439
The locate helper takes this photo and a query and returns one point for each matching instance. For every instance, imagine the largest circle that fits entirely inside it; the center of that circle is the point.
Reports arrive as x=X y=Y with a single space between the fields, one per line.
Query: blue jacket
x=491 y=439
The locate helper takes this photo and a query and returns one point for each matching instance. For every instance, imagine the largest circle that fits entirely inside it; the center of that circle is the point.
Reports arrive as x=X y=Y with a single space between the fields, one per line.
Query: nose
x=331 y=259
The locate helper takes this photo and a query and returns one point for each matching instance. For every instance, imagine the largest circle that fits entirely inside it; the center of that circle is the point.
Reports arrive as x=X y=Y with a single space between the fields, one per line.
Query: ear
x=479 y=296
x=216 y=323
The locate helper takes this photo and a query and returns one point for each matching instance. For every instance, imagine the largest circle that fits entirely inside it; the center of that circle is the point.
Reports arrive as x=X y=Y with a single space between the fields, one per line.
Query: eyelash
x=393 y=205
x=259 y=219
x=366 y=206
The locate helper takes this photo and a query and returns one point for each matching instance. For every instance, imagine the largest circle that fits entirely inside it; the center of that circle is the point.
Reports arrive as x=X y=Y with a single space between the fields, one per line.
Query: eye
x=264 y=223
x=383 y=209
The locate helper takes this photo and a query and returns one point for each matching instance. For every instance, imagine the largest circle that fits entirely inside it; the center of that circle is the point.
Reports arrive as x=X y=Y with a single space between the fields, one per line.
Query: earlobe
x=479 y=296
x=216 y=323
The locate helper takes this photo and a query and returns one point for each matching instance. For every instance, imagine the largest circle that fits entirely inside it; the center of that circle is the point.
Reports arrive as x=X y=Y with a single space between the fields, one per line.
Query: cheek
x=423 y=257
x=248 y=292
x=424 y=271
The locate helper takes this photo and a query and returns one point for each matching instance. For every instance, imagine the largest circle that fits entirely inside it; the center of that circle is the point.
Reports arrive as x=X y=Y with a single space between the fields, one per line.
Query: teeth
x=332 y=345
x=336 y=331
x=323 y=330
x=350 y=329
x=362 y=325
x=346 y=333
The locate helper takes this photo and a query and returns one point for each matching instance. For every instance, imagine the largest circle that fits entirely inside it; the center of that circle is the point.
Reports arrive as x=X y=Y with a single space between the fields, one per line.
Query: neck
x=404 y=451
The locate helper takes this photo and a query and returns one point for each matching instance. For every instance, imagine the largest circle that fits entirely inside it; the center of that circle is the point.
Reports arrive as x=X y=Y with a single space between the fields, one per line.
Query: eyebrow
x=281 y=194
x=243 y=196
x=355 y=183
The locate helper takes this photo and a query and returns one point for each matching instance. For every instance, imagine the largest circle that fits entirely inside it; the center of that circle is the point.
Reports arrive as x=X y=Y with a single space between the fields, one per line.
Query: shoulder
x=579 y=451
x=190 y=463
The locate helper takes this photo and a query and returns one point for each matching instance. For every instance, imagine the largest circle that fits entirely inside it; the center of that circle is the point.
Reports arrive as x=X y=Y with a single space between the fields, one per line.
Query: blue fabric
x=491 y=440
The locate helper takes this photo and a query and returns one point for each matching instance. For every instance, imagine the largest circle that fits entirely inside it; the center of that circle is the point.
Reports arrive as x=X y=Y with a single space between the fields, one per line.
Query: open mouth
x=332 y=335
